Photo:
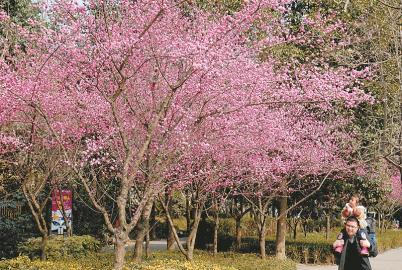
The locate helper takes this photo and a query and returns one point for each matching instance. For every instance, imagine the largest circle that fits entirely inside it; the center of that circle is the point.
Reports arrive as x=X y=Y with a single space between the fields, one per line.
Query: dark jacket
x=350 y=259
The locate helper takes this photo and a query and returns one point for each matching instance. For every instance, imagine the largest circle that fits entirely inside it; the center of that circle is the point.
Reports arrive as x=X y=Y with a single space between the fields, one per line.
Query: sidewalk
x=154 y=245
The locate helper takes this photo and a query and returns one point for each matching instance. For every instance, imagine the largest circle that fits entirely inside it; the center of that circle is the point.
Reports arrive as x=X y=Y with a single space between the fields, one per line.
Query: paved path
x=154 y=245
x=389 y=260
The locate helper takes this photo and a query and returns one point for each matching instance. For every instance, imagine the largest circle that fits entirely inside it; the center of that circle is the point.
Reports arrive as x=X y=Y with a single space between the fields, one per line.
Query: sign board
x=58 y=224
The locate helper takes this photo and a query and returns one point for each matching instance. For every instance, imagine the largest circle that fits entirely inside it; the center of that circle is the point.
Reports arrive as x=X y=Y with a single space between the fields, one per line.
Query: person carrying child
x=352 y=208
x=351 y=258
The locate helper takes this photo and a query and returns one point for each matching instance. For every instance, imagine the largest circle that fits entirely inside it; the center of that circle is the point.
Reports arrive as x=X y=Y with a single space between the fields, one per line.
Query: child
x=352 y=208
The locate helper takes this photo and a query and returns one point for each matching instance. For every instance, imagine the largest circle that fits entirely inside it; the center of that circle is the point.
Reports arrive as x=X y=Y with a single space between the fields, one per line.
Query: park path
x=389 y=260
x=154 y=245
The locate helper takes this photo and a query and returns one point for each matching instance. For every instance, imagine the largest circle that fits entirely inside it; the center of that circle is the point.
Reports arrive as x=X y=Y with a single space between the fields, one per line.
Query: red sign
x=66 y=198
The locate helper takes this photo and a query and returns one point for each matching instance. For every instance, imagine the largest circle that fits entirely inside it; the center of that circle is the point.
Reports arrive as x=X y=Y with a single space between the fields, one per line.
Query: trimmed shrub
x=230 y=260
x=59 y=247
x=389 y=239
x=159 y=261
x=301 y=252
x=313 y=249
x=24 y=263
x=170 y=264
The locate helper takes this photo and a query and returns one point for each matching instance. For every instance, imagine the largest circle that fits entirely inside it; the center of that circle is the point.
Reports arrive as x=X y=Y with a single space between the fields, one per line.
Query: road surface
x=154 y=244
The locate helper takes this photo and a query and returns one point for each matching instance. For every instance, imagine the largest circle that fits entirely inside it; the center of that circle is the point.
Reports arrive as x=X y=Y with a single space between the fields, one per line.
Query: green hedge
x=14 y=230
x=234 y=260
x=59 y=247
x=389 y=239
x=161 y=260
x=298 y=251
x=313 y=249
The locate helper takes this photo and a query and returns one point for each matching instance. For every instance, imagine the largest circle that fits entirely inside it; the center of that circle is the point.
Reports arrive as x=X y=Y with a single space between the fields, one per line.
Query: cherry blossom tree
x=165 y=82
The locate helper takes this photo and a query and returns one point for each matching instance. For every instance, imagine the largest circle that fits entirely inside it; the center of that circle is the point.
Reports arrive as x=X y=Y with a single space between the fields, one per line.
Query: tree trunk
x=216 y=227
x=69 y=231
x=290 y=228
x=43 y=247
x=142 y=231
x=193 y=235
x=193 y=232
x=188 y=215
x=36 y=208
x=328 y=227
x=152 y=233
x=147 y=246
x=281 y=229
x=138 y=248
x=170 y=238
x=261 y=240
x=238 y=233
x=62 y=209
x=379 y=222
x=120 y=250
x=190 y=254
x=260 y=217
x=169 y=232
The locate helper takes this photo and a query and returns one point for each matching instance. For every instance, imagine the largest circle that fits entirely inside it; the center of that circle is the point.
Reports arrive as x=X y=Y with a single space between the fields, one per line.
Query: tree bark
x=261 y=240
x=305 y=229
x=43 y=247
x=170 y=238
x=238 y=233
x=328 y=227
x=37 y=211
x=138 y=248
x=152 y=232
x=216 y=227
x=295 y=229
x=169 y=232
x=280 y=250
x=142 y=231
x=238 y=210
x=260 y=217
x=147 y=246
x=188 y=214
x=120 y=250
x=379 y=222
x=193 y=231
x=193 y=235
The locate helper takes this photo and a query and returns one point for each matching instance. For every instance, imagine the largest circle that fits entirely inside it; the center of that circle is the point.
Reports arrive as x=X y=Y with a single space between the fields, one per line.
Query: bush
x=389 y=239
x=227 y=226
x=222 y=261
x=313 y=249
x=310 y=252
x=61 y=247
x=15 y=229
x=301 y=252
x=161 y=260
x=24 y=263
x=169 y=264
